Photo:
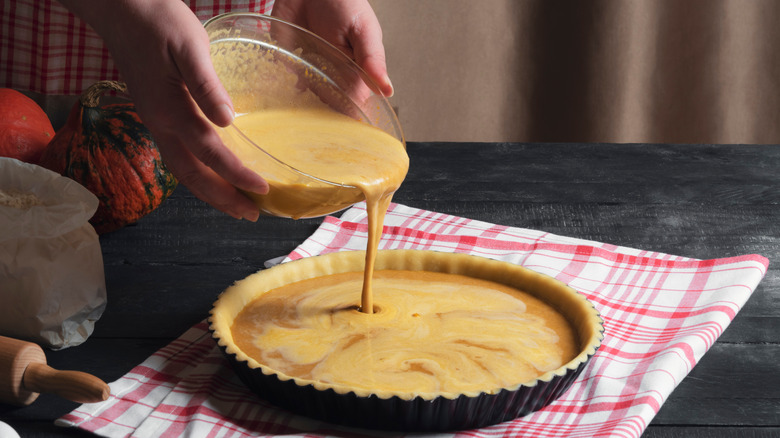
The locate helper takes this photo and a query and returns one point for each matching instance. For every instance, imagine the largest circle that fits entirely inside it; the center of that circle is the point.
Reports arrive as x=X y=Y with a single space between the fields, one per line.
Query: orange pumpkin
x=25 y=129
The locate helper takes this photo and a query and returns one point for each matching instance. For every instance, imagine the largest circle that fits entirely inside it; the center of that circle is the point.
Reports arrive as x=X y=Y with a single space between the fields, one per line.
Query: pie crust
x=387 y=410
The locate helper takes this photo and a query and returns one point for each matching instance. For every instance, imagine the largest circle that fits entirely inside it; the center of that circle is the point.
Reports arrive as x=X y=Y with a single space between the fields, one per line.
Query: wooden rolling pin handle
x=72 y=385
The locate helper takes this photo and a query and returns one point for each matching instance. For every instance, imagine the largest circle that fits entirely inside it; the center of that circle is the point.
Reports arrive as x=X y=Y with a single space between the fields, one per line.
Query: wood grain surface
x=701 y=201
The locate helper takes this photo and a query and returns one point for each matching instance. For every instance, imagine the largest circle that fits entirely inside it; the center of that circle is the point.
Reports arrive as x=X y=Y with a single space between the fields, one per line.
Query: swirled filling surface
x=429 y=333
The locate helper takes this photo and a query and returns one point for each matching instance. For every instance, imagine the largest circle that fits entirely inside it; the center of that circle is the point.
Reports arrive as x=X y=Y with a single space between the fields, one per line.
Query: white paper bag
x=52 y=283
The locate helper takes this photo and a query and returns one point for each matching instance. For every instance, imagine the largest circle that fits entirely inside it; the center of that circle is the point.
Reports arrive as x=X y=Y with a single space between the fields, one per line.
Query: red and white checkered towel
x=661 y=313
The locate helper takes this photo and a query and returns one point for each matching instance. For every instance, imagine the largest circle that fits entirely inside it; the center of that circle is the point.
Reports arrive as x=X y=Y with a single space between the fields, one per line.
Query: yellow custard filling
x=430 y=333
x=327 y=145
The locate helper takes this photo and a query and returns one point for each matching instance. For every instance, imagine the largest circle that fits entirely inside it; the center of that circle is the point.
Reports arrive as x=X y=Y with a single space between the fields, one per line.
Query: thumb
x=369 y=52
x=197 y=71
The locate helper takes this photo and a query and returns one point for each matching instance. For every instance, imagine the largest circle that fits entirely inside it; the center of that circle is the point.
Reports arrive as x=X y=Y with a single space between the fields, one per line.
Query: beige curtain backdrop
x=674 y=71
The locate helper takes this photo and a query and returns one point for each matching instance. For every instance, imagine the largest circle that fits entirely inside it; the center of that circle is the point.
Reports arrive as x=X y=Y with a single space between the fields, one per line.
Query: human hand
x=350 y=25
x=162 y=52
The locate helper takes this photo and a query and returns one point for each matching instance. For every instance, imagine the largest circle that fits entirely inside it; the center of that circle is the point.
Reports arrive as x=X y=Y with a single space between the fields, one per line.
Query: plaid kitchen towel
x=661 y=314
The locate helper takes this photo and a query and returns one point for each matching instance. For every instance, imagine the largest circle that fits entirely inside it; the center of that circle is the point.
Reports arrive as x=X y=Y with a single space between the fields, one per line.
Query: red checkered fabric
x=46 y=49
x=661 y=313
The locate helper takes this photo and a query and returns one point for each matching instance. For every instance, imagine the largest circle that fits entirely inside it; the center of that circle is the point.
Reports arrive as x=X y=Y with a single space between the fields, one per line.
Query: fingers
x=197 y=155
x=193 y=151
x=173 y=107
x=350 y=25
x=206 y=185
x=369 y=51
x=194 y=65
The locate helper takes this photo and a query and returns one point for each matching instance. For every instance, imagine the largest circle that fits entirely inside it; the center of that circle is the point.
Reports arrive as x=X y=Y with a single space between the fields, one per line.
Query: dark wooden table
x=702 y=201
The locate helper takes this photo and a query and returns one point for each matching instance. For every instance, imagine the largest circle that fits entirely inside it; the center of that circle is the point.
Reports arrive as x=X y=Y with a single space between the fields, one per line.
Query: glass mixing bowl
x=266 y=63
